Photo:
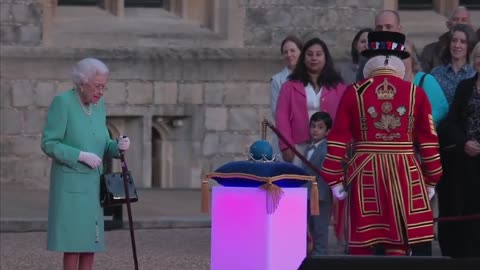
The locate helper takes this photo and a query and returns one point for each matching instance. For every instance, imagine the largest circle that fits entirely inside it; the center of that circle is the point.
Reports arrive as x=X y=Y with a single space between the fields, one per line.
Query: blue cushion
x=243 y=173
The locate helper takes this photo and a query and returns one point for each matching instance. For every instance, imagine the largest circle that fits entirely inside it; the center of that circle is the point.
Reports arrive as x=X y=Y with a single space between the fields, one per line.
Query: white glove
x=90 y=159
x=339 y=192
x=123 y=143
x=431 y=192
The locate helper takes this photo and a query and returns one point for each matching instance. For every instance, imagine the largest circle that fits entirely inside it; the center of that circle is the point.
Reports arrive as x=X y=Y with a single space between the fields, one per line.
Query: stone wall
x=267 y=22
x=187 y=111
x=220 y=96
x=21 y=22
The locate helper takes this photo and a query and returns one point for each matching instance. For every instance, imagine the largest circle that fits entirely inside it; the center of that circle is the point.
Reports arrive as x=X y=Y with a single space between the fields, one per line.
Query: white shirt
x=313 y=100
x=310 y=152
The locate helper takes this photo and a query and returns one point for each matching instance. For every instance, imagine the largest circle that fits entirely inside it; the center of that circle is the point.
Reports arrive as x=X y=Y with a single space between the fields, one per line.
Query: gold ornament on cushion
x=385 y=91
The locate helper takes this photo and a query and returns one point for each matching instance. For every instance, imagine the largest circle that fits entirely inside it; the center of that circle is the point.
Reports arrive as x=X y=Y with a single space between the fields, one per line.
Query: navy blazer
x=317 y=159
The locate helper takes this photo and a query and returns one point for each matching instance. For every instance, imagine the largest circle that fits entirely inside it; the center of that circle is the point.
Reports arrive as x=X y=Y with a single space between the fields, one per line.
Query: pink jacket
x=291 y=116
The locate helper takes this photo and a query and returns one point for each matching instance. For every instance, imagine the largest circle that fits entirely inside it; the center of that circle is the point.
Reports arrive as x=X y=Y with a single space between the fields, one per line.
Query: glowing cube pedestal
x=245 y=237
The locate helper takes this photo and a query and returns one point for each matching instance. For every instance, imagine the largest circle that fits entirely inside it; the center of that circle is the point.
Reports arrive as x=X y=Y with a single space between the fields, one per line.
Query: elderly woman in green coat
x=76 y=137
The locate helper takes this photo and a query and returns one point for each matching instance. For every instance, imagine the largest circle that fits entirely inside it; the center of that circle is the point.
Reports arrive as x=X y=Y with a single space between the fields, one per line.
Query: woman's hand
x=288 y=155
x=123 y=143
x=90 y=159
x=472 y=148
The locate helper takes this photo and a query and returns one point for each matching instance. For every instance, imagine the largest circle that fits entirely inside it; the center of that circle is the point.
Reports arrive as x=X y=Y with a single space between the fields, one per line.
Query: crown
x=385 y=91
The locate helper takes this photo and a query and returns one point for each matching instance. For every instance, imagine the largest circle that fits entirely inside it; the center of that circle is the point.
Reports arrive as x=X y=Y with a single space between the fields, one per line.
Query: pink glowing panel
x=245 y=237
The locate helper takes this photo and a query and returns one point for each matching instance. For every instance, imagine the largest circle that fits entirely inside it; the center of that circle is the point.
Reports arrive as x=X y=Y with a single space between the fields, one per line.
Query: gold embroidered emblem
x=388 y=122
x=401 y=110
x=386 y=107
x=373 y=113
x=385 y=91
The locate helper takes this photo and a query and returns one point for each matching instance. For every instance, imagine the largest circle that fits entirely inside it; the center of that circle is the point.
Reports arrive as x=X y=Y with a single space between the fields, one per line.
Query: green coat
x=75 y=217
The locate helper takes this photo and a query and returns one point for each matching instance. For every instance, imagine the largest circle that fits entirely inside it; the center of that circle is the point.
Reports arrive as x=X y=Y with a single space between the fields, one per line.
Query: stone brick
x=140 y=93
x=172 y=69
x=211 y=144
x=308 y=17
x=190 y=93
x=34 y=121
x=236 y=94
x=11 y=121
x=5 y=15
x=21 y=146
x=243 y=119
x=258 y=37
x=279 y=17
x=64 y=86
x=214 y=93
x=116 y=93
x=192 y=70
x=362 y=18
x=30 y=34
x=44 y=93
x=235 y=143
x=256 y=17
x=22 y=93
x=26 y=14
x=259 y=93
x=5 y=94
x=216 y=118
x=247 y=94
x=165 y=92
x=215 y=70
x=9 y=34
x=327 y=19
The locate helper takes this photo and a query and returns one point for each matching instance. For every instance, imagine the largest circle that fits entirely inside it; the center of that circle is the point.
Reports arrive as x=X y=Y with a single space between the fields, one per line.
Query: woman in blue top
x=455 y=58
x=290 y=49
x=428 y=83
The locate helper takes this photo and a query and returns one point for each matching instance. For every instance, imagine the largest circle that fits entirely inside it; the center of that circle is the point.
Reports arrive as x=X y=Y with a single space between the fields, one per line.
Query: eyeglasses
x=99 y=87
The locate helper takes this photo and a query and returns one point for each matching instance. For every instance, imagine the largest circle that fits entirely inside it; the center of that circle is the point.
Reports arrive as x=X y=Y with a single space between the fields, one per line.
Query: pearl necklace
x=87 y=111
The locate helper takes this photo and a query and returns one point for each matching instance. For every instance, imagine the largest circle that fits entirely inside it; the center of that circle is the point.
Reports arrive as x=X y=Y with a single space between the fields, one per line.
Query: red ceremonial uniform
x=388 y=197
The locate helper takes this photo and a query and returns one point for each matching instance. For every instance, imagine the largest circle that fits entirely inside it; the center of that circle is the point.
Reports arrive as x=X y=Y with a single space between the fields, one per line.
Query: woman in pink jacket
x=314 y=85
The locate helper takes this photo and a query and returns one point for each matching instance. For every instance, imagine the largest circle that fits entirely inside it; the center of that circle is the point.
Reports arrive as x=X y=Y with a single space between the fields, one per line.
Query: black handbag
x=115 y=191
x=112 y=189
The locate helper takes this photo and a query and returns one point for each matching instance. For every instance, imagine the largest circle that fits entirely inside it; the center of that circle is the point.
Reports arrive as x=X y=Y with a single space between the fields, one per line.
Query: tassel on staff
x=205 y=196
x=314 y=198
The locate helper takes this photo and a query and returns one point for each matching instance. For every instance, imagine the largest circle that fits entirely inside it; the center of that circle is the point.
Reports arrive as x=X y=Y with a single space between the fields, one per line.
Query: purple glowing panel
x=244 y=236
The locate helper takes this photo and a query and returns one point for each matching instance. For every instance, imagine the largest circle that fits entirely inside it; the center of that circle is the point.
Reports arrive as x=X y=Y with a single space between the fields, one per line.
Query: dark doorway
x=415 y=4
x=470 y=4
x=156 y=158
x=128 y=3
x=144 y=3
x=77 y=2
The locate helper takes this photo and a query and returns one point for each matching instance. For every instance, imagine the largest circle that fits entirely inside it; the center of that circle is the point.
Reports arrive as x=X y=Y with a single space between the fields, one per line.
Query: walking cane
x=129 y=210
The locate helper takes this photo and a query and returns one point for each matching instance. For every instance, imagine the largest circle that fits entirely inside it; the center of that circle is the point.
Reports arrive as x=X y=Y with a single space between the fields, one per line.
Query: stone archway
x=110 y=165
x=162 y=155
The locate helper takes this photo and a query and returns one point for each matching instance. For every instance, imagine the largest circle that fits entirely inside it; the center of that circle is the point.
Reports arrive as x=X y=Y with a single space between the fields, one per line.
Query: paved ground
x=165 y=249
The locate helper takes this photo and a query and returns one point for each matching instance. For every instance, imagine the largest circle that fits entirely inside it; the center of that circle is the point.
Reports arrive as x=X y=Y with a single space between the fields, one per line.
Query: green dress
x=75 y=217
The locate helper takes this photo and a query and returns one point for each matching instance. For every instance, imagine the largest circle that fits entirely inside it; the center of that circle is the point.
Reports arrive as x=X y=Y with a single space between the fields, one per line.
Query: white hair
x=378 y=62
x=86 y=69
x=457 y=9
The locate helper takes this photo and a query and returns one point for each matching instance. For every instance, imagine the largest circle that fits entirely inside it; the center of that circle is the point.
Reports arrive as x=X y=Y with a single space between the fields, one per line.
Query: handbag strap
x=129 y=210
x=420 y=84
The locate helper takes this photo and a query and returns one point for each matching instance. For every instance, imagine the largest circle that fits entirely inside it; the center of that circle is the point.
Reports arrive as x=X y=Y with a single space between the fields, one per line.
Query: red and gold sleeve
x=427 y=139
x=338 y=139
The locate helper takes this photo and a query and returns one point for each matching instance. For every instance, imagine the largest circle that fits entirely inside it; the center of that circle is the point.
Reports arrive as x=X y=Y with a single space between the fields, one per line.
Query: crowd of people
x=388 y=108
